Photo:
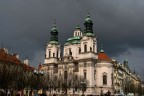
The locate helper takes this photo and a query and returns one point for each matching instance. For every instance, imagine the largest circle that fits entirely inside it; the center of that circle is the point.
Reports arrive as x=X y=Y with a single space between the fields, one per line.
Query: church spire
x=54 y=33
x=88 y=25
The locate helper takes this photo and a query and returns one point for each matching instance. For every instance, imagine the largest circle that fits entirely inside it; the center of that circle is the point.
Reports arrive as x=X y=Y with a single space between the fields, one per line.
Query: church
x=80 y=58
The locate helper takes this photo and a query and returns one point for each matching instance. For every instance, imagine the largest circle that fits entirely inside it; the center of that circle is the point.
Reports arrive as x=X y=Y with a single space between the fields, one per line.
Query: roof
x=88 y=19
x=8 y=57
x=103 y=57
x=28 y=68
x=73 y=40
x=54 y=29
x=54 y=42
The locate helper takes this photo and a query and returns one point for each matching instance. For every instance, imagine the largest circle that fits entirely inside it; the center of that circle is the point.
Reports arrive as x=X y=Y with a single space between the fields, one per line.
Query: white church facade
x=81 y=58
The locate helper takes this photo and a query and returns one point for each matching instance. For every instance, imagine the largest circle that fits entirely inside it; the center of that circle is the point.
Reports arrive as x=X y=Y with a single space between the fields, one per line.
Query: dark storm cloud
x=25 y=24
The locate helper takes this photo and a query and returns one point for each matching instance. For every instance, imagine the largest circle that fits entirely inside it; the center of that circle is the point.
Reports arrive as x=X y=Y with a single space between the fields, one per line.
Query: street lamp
x=83 y=84
x=39 y=72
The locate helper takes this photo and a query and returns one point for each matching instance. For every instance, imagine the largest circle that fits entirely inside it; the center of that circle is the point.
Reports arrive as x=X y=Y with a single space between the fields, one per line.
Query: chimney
x=6 y=50
x=26 y=61
x=16 y=55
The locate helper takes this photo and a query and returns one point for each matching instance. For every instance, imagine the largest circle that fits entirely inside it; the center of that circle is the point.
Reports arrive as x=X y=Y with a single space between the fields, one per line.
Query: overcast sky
x=119 y=25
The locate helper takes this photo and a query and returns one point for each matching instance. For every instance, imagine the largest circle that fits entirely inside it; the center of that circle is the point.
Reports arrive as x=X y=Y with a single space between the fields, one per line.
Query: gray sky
x=119 y=25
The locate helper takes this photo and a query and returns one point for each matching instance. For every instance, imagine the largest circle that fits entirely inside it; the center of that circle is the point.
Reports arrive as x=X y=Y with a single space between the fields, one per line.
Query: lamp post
x=83 y=84
x=39 y=72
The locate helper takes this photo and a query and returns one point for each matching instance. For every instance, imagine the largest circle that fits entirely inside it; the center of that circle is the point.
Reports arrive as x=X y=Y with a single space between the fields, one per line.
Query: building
x=13 y=72
x=81 y=58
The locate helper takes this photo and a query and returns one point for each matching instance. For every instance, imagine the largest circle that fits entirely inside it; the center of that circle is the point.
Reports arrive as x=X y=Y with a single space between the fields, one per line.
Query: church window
x=57 y=54
x=93 y=48
x=79 y=50
x=104 y=79
x=59 y=73
x=76 y=77
x=85 y=48
x=53 y=54
x=95 y=74
x=78 y=33
x=84 y=64
x=70 y=53
x=90 y=49
x=65 y=75
x=49 y=54
x=75 y=33
x=84 y=75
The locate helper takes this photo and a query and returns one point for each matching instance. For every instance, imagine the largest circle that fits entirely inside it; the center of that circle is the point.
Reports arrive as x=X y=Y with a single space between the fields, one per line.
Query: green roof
x=78 y=27
x=54 y=29
x=89 y=34
x=88 y=19
x=53 y=42
x=73 y=40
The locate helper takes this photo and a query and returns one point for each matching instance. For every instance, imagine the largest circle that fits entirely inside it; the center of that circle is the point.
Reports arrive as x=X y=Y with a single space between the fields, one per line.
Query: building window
x=53 y=54
x=76 y=77
x=90 y=49
x=104 y=79
x=93 y=48
x=65 y=75
x=70 y=53
x=57 y=54
x=84 y=64
x=85 y=48
x=79 y=50
x=78 y=33
x=76 y=68
x=95 y=74
x=84 y=75
x=49 y=54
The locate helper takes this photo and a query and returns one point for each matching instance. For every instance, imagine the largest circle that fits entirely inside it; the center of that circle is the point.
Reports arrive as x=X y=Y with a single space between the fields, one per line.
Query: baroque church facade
x=81 y=58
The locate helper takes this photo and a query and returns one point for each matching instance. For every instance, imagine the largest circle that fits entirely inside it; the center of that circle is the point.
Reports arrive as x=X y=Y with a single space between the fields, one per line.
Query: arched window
x=65 y=75
x=53 y=54
x=75 y=33
x=85 y=48
x=93 y=48
x=104 y=79
x=79 y=50
x=70 y=53
x=85 y=75
x=78 y=33
x=57 y=54
x=49 y=54
x=90 y=49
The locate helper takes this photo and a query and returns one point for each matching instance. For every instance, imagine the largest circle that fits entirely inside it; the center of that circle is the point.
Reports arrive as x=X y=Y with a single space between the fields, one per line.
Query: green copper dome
x=54 y=29
x=89 y=34
x=54 y=35
x=88 y=19
x=77 y=27
x=73 y=40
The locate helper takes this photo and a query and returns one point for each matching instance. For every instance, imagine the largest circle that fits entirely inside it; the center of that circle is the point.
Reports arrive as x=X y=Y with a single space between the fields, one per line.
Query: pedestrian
x=54 y=94
x=108 y=93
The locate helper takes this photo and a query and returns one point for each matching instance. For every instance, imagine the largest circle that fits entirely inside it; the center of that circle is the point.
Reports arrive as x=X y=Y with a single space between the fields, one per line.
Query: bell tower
x=53 y=47
x=88 y=24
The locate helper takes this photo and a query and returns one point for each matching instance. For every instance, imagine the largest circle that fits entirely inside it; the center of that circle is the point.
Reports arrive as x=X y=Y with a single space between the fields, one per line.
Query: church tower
x=53 y=47
x=89 y=40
